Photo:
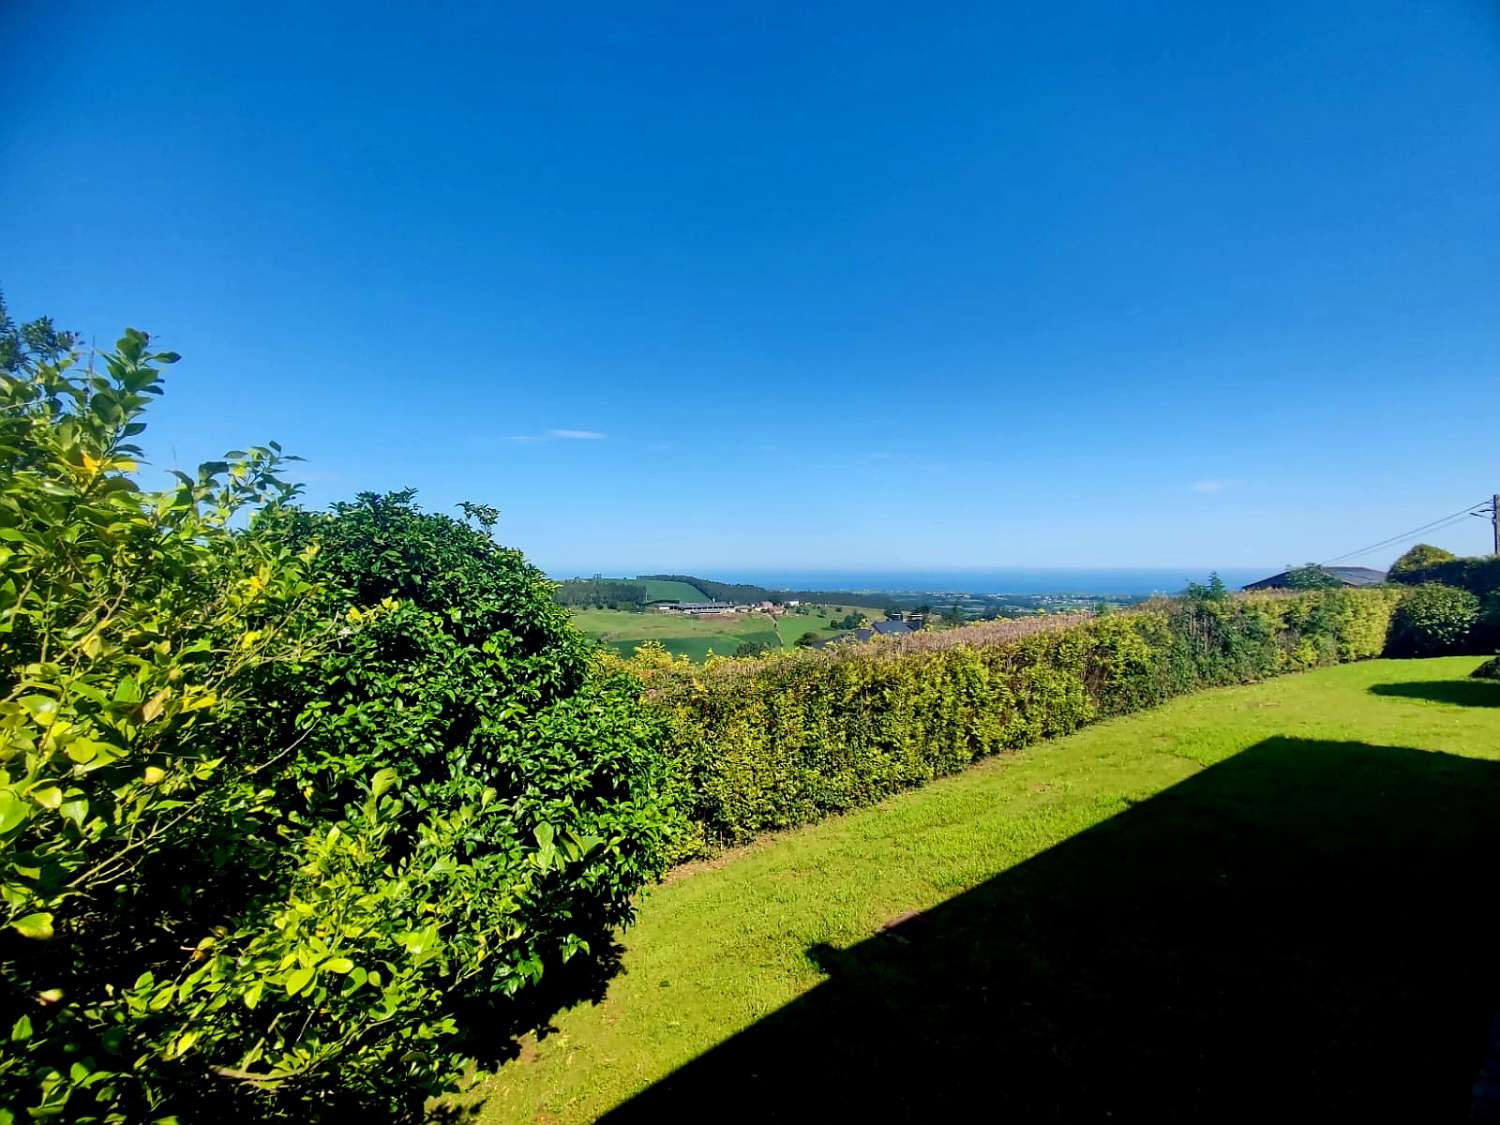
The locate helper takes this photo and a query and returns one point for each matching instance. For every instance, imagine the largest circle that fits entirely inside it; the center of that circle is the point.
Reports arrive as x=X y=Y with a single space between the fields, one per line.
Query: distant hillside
x=714 y=591
x=647 y=589
x=665 y=589
x=745 y=592
x=626 y=593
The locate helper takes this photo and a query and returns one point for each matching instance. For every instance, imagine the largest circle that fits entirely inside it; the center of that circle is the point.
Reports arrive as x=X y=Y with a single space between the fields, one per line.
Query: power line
x=1435 y=525
x=1444 y=521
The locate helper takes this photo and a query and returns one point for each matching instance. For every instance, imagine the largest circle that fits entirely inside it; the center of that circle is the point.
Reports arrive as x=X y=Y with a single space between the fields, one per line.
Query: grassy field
x=1249 y=900
x=694 y=637
x=818 y=619
x=662 y=590
x=684 y=636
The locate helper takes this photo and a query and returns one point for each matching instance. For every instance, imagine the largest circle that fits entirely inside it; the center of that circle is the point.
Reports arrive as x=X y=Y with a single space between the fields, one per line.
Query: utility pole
x=1495 y=519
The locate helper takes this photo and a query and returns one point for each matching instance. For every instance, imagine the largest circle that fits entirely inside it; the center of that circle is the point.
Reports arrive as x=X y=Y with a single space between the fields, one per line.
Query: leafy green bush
x=1489 y=670
x=132 y=626
x=1420 y=559
x=1480 y=574
x=800 y=735
x=1433 y=620
x=284 y=809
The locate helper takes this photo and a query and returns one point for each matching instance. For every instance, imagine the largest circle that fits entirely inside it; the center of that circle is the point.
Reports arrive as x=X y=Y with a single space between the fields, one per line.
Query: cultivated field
x=695 y=637
x=1251 y=897
x=663 y=590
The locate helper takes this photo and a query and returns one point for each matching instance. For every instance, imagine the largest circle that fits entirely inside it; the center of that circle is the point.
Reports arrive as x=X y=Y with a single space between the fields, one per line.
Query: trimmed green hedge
x=1433 y=620
x=1479 y=574
x=786 y=740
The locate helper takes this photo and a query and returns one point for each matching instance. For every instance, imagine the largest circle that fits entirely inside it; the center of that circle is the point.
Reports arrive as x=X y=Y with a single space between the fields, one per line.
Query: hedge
x=762 y=744
x=1479 y=574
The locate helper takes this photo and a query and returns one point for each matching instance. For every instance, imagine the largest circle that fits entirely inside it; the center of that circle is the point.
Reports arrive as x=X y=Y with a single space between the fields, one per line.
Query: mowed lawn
x=1271 y=902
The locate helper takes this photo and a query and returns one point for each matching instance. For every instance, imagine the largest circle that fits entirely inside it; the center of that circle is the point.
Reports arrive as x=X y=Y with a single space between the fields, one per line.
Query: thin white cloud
x=557 y=435
x=1208 y=487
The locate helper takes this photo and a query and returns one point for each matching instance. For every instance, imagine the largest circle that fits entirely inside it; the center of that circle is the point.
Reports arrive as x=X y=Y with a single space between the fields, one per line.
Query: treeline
x=606 y=593
x=838 y=597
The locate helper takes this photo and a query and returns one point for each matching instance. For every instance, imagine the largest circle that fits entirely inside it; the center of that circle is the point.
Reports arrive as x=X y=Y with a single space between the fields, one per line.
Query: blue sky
x=707 y=287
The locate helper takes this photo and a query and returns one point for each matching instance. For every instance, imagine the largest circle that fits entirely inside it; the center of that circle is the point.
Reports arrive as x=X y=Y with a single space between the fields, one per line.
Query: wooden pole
x=1495 y=519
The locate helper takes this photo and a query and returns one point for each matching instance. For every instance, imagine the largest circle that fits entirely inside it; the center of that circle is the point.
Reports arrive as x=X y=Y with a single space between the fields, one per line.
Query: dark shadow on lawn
x=1304 y=932
x=1463 y=693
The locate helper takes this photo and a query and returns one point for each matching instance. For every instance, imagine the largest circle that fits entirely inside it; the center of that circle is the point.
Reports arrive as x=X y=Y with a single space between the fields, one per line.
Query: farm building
x=697 y=608
x=1346 y=576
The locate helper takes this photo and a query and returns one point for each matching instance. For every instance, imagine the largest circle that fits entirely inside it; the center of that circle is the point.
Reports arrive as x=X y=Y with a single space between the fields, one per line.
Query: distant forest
x=610 y=593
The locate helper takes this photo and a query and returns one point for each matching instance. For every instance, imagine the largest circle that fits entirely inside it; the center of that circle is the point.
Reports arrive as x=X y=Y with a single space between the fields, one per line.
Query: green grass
x=663 y=590
x=794 y=623
x=694 y=637
x=683 y=636
x=1248 y=900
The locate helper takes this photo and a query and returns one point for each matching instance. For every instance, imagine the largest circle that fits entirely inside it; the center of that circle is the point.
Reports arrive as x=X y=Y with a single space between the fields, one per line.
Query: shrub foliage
x=1418 y=560
x=797 y=736
x=282 y=795
x=1479 y=574
x=1433 y=620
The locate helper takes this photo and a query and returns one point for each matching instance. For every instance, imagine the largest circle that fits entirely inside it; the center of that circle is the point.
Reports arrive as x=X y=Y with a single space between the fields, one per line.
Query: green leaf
x=38 y=926
x=21 y=1031
x=252 y=994
x=43 y=708
x=338 y=964
x=48 y=796
x=382 y=780
x=13 y=810
x=298 y=979
x=544 y=835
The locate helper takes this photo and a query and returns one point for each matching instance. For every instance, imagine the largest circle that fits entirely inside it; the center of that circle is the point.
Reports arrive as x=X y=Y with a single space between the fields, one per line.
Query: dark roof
x=843 y=638
x=1347 y=576
x=889 y=628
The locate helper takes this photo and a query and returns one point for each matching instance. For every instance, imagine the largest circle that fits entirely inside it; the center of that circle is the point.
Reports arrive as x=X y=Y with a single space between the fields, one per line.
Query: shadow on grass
x=1306 y=931
x=1463 y=693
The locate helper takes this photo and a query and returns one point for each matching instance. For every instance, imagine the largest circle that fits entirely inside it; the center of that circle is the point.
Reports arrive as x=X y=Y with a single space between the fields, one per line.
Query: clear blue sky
x=1087 y=284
